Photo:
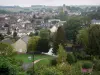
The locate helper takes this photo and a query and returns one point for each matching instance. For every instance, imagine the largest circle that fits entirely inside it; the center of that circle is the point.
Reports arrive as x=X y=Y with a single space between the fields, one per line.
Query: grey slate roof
x=7 y=40
x=25 y=39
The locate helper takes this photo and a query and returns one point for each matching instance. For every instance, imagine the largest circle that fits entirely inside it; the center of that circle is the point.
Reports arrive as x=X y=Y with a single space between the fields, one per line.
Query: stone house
x=21 y=45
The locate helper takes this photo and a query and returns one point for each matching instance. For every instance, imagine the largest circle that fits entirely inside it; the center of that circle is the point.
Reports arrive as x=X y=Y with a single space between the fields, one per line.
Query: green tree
x=31 y=34
x=6 y=68
x=62 y=55
x=82 y=37
x=32 y=43
x=15 y=35
x=71 y=28
x=10 y=66
x=1 y=37
x=43 y=45
x=94 y=14
x=59 y=39
x=94 y=40
x=62 y=16
x=71 y=58
x=6 y=49
x=44 y=34
x=46 y=70
x=63 y=65
x=8 y=31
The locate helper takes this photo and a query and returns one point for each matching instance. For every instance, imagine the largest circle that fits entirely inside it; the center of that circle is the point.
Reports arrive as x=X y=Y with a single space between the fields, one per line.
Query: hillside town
x=50 y=40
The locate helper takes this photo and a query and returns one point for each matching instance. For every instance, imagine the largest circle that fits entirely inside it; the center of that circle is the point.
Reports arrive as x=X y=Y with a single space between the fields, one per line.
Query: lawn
x=25 y=59
x=42 y=63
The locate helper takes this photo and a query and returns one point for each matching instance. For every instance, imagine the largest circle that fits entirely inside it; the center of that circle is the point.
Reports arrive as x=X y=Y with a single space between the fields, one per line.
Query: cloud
x=49 y=2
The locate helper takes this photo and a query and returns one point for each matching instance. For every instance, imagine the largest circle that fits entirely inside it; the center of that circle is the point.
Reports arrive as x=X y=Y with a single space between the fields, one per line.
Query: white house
x=95 y=21
x=53 y=29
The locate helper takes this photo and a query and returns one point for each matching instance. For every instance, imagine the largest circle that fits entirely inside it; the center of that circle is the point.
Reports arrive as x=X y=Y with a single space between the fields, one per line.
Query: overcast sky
x=49 y=2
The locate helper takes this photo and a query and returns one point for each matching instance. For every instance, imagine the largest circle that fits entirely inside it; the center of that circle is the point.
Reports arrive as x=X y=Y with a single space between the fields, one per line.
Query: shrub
x=65 y=68
x=87 y=65
x=54 y=62
x=50 y=71
x=81 y=55
x=71 y=58
x=46 y=70
x=96 y=65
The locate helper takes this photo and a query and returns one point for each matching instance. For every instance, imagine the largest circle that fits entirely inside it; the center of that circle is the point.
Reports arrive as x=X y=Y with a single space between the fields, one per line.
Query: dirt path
x=38 y=60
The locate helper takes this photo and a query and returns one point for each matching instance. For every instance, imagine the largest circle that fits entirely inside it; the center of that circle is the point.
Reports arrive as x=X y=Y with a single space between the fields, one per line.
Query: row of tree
x=90 y=39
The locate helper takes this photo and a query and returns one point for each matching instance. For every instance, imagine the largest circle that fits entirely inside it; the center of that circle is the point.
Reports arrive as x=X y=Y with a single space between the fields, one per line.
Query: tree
x=94 y=40
x=43 y=45
x=59 y=39
x=10 y=66
x=44 y=34
x=46 y=70
x=1 y=37
x=94 y=14
x=82 y=37
x=71 y=28
x=8 y=32
x=71 y=58
x=62 y=55
x=15 y=35
x=6 y=68
x=32 y=43
x=6 y=49
x=62 y=16
x=62 y=65
x=31 y=34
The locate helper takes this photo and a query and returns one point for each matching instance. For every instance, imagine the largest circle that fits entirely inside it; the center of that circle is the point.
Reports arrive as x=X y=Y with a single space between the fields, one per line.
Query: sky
x=25 y=3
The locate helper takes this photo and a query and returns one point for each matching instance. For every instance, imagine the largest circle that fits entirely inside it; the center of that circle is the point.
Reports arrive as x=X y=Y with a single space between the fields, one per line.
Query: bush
x=50 y=71
x=87 y=65
x=96 y=65
x=81 y=55
x=54 y=62
x=65 y=68
x=71 y=58
x=46 y=70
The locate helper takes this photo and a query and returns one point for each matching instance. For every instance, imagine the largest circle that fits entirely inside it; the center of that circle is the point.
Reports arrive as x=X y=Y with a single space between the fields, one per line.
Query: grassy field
x=24 y=57
x=42 y=63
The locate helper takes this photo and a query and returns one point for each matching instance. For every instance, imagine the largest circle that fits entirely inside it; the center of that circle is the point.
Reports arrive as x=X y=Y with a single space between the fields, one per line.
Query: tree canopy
x=32 y=43
x=71 y=27
x=44 y=34
x=82 y=37
x=43 y=45
x=6 y=49
x=1 y=37
x=62 y=55
x=59 y=39
x=94 y=40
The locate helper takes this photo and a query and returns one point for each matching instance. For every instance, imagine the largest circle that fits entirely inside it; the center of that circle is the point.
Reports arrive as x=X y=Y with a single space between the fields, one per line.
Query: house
x=22 y=32
x=4 y=32
x=53 y=29
x=95 y=21
x=8 y=41
x=21 y=45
